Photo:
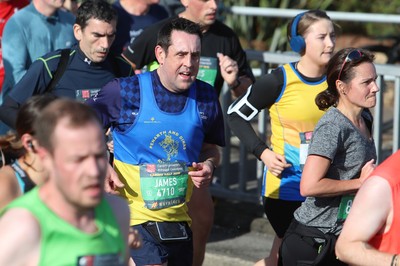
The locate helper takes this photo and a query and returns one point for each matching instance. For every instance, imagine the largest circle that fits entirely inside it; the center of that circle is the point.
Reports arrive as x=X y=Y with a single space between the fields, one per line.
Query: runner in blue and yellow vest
x=156 y=166
x=166 y=126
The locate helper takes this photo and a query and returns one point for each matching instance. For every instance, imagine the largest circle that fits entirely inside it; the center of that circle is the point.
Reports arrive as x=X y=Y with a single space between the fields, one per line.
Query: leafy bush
x=269 y=33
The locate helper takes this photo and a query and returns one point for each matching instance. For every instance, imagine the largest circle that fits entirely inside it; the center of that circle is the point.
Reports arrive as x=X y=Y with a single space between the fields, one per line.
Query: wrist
x=260 y=149
x=235 y=84
x=213 y=166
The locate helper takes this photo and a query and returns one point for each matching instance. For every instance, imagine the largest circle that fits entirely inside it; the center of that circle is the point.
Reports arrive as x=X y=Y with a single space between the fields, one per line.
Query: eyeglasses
x=353 y=55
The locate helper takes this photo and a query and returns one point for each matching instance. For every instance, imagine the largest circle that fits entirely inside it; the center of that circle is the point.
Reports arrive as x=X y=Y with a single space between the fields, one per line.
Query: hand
x=229 y=68
x=112 y=182
x=110 y=142
x=135 y=240
x=202 y=176
x=110 y=146
x=275 y=163
x=367 y=170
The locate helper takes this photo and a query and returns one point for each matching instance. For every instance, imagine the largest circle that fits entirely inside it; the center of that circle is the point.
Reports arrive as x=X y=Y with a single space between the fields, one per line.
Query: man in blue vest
x=167 y=126
x=222 y=60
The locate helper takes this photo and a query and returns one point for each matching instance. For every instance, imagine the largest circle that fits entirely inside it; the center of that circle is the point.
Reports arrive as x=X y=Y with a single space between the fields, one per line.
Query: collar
x=52 y=19
x=83 y=57
x=160 y=86
x=89 y=62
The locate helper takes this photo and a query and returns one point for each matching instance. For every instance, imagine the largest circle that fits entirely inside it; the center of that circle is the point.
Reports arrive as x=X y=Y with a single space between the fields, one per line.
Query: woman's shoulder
x=332 y=122
x=7 y=175
x=9 y=187
x=332 y=115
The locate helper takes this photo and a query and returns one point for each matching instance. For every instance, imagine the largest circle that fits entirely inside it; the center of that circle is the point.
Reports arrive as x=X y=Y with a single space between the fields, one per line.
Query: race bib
x=344 y=207
x=208 y=70
x=305 y=138
x=163 y=185
x=101 y=260
x=83 y=95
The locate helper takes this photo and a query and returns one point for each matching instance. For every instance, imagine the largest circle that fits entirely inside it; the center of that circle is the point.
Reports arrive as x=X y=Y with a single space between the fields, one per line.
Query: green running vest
x=64 y=244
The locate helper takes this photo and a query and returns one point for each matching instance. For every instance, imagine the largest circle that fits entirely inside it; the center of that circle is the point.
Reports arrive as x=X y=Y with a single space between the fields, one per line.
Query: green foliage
x=269 y=33
x=370 y=29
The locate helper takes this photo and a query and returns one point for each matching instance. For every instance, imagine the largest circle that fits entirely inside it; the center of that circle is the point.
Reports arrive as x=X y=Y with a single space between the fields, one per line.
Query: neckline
x=370 y=139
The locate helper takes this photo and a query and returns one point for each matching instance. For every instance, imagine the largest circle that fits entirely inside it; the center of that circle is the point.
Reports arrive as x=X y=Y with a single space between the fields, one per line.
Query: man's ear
x=77 y=32
x=160 y=54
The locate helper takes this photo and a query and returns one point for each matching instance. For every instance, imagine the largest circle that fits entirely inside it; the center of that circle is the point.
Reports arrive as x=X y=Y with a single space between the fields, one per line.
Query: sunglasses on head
x=2 y=159
x=353 y=55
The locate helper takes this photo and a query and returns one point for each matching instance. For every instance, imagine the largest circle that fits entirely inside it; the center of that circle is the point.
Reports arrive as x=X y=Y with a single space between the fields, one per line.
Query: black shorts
x=179 y=253
x=280 y=213
x=307 y=246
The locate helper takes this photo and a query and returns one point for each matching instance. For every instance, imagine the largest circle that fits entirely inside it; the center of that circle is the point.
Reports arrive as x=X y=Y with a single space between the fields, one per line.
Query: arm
x=260 y=95
x=314 y=182
x=371 y=214
x=245 y=74
x=240 y=86
x=106 y=104
x=9 y=188
x=20 y=238
x=8 y=111
x=209 y=156
x=328 y=146
x=209 y=159
x=230 y=73
x=33 y=82
x=15 y=51
x=112 y=183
